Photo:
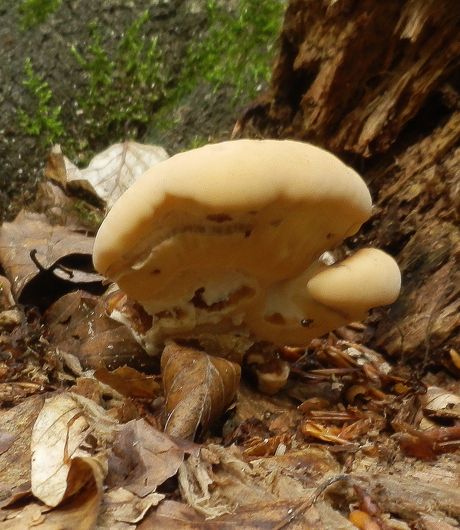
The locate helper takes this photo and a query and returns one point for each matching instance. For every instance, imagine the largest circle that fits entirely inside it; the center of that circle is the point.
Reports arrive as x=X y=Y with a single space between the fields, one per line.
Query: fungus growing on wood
x=225 y=240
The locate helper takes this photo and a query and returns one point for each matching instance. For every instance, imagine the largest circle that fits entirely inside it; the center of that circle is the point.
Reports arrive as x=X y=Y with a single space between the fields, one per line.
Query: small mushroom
x=226 y=240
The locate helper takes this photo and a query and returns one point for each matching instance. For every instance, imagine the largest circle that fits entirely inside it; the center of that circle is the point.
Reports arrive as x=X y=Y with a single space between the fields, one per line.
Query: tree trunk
x=378 y=84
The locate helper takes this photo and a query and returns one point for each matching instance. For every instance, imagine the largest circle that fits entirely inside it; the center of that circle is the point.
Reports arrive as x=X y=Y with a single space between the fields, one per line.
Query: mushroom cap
x=203 y=238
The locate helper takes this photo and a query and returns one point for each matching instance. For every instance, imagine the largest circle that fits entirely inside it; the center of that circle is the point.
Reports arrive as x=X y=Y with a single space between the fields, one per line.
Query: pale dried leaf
x=198 y=388
x=79 y=512
x=62 y=460
x=142 y=458
x=437 y=402
x=109 y=174
x=123 y=506
x=42 y=261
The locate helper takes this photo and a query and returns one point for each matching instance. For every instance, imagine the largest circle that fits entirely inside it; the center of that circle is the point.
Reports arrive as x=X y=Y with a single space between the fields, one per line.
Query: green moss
x=34 y=12
x=131 y=86
x=237 y=48
x=89 y=215
x=233 y=57
x=45 y=120
x=122 y=89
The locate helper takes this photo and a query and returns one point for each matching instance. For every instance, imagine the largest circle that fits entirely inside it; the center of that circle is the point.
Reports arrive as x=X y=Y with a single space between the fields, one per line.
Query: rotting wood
x=377 y=83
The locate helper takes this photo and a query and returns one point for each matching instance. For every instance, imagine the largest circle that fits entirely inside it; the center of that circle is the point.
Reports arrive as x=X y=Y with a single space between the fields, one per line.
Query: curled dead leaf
x=67 y=434
x=43 y=261
x=129 y=382
x=77 y=324
x=109 y=173
x=198 y=388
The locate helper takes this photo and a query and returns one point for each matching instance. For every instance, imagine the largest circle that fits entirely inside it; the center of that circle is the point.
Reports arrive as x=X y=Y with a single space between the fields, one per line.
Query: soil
x=204 y=114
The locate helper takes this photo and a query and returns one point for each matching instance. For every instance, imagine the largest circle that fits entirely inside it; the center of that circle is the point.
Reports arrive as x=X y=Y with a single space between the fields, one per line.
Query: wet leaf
x=77 y=324
x=69 y=430
x=129 y=382
x=142 y=458
x=44 y=261
x=109 y=173
x=198 y=388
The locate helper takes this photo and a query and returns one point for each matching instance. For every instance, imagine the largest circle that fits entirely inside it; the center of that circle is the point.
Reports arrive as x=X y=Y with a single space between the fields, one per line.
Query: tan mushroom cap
x=204 y=239
x=327 y=297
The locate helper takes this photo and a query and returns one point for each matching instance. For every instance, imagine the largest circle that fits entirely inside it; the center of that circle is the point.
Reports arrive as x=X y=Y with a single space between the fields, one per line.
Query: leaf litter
x=94 y=433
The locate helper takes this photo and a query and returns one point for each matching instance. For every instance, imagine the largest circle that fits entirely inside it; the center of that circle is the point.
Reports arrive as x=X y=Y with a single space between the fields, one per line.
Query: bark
x=378 y=83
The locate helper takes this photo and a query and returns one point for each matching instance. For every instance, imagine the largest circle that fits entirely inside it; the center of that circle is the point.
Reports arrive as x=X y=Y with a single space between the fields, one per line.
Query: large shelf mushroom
x=225 y=240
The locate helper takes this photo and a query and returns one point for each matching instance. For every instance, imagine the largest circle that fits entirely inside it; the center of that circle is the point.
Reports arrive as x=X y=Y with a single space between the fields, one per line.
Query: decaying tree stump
x=378 y=83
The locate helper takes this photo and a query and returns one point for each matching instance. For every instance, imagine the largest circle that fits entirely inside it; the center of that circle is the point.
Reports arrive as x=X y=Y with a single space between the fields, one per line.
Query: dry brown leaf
x=69 y=430
x=44 y=261
x=174 y=515
x=218 y=480
x=15 y=391
x=122 y=508
x=198 y=388
x=6 y=296
x=129 y=382
x=109 y=173
x=321 y=432
x=426 y=445
x=410 y=494
x=77 y=324
x=142 y=458
x=72 y=212
x=18 y=423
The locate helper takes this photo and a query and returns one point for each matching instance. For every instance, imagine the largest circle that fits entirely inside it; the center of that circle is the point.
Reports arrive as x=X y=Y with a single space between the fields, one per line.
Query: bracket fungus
x=223 y=243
